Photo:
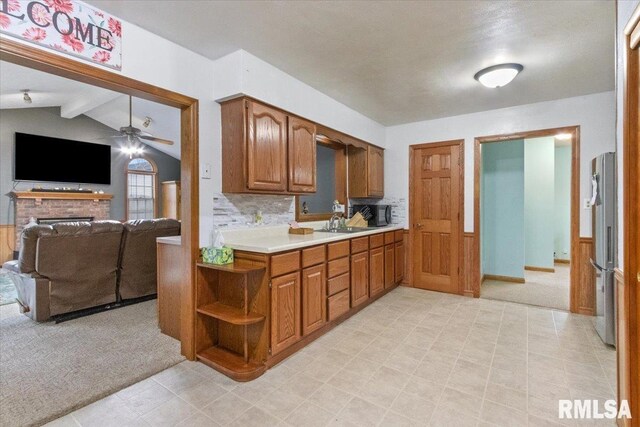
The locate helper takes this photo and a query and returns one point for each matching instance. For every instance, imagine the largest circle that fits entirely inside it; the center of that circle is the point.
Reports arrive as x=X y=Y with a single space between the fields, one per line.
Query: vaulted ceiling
x=402 y=61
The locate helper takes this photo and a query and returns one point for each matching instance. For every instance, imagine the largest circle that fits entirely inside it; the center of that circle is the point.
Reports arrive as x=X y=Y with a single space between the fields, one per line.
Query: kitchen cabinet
x=302 y=155
x=314 y=307
x=366 y=172
x=399 y=261
x=171 y=199
x=285 y=311
x=359 y=278
x=376 y=271
x=266 y=150
x=389 y=265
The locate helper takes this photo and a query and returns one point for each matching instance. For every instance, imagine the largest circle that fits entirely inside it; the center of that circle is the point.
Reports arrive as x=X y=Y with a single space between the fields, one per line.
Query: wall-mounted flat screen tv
x=42 y=158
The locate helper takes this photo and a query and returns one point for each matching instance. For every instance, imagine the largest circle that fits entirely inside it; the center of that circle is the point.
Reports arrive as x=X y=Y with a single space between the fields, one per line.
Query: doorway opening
x=525 y=213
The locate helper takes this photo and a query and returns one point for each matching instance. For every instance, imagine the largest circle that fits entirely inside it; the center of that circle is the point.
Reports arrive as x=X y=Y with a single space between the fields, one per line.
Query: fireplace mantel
x=48 y=195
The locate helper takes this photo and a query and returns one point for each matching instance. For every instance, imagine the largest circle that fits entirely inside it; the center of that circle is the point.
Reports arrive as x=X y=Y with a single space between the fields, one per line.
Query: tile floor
x=412 y=358
x=543 y=289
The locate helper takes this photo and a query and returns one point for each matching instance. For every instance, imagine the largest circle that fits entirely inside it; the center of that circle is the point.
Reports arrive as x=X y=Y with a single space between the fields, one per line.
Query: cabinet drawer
x=338 y=284
x=398 y=235
x=337 y=250
x=338 y=304
x=376 y=240
x=389 y=237
x=360 y=244
x=285 y=263
x=337 y=267
x=312 y=256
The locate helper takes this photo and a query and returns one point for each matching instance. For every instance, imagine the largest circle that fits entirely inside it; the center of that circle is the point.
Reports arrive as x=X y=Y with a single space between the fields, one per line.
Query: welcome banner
x=68 y=26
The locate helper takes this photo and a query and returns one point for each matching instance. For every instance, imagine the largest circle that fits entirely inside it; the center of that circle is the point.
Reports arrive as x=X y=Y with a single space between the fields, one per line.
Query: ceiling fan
x=134 y=136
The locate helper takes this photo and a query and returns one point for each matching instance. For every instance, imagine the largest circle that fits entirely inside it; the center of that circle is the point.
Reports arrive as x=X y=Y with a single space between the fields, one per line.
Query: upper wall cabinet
x=366 y=172
x=265 y=150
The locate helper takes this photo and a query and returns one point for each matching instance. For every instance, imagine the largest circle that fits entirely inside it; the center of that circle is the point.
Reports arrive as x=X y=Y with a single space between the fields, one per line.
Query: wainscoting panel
x=7 y=242
x=468 y=267
x=584 y=301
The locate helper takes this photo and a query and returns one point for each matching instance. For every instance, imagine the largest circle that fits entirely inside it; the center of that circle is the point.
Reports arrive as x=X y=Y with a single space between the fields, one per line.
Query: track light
x=147 y=122
x=25 y=97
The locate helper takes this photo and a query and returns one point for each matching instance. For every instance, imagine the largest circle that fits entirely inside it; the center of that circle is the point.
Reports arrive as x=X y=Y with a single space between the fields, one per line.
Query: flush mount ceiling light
x=498 y=75
x=563 y=136
x=25 y=96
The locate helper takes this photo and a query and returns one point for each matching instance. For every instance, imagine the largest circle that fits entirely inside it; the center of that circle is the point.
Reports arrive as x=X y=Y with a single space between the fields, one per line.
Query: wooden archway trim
x=38 y=59
x=579 y=303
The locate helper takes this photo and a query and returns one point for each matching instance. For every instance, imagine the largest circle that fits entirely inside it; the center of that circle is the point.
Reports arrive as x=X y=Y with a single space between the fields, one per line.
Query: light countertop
x=277 y=238
x=169 y=240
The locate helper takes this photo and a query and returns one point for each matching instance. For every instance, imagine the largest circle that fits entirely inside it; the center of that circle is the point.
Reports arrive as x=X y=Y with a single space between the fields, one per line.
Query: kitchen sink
x=345 y=230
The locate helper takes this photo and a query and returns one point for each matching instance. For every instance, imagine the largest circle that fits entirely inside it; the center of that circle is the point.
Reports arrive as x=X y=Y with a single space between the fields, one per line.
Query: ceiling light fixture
x=563 y=136
x=132 y=150
x=25 y=97
x=498 y=75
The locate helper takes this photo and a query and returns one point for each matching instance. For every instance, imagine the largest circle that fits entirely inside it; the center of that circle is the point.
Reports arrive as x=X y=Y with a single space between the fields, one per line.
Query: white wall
x=625 y=9
x=594 y=113
x=243 y=73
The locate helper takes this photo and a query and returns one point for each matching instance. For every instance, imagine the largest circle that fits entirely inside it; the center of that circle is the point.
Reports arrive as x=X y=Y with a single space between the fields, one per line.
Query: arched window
x=141 y=189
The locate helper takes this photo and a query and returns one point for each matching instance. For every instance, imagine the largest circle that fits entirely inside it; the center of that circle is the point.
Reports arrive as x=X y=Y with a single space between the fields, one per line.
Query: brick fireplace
x=32 y=204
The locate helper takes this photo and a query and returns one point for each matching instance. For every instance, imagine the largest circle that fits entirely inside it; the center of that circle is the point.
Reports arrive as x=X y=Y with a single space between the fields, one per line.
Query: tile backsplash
x=239 y=210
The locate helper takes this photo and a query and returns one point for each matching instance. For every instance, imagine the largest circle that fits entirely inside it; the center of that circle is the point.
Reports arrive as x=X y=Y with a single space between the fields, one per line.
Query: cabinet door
x=359 y=278
x=375 y=162
x=399 y=260
x=302 y=155
x=314 y=304
x=389 y=266
x=376 y=271
x=266 y=148
x=285 y=311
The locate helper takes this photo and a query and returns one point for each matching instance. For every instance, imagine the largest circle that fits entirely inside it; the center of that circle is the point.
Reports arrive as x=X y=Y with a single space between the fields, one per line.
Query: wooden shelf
x=231 y=268
x=230 y=364
x=233 y=315
x=51 y=195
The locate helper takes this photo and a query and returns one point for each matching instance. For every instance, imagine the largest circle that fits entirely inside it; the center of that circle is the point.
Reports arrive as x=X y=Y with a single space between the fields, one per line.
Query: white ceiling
x=75 y=98
x=402 y=61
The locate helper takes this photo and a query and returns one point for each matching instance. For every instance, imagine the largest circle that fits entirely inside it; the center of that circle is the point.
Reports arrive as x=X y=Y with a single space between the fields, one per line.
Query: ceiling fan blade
x=154 y=139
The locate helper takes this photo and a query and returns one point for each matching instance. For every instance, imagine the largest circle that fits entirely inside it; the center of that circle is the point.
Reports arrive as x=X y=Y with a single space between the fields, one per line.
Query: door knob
x=419 y=226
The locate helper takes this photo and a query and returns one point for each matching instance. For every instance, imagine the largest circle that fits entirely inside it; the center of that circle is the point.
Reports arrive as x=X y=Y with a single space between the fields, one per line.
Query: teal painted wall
x=502 y=208
x=562 y=208
x=539 y=199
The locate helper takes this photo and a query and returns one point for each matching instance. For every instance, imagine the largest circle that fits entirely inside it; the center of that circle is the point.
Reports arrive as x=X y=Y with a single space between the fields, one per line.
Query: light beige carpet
x=549 y=290
x=48 y=370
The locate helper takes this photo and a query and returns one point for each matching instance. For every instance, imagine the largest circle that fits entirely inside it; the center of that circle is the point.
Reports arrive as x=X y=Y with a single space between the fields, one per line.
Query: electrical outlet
x=205 y=171
x=587 y=203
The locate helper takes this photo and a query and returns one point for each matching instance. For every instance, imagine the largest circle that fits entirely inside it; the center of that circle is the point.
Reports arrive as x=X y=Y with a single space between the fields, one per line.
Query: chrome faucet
x=334 y=222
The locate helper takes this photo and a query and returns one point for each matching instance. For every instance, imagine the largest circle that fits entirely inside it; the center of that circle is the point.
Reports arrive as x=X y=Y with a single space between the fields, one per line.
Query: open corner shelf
x=230 y=364
x=233 y=315
x=231 y=268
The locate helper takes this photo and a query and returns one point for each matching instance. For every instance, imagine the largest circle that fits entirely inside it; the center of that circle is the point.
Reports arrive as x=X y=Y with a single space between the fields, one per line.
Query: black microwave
x=376 y=215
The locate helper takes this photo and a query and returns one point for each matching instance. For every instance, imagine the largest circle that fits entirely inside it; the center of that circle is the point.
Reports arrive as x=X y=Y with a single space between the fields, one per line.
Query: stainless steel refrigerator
x=603 y=205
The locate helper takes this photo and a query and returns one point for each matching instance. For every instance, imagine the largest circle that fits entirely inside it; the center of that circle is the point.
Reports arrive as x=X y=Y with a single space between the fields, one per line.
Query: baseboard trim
x=562 y=261
x=544 y=269
x=503 y=278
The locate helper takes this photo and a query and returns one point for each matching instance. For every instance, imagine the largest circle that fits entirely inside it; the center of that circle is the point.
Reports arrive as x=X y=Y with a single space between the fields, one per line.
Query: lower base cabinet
x=376 y=271
x=314 y=309
x=359 y=278
x=338 y=304
x=399 y=261
x=389 y=266
x=285 y=311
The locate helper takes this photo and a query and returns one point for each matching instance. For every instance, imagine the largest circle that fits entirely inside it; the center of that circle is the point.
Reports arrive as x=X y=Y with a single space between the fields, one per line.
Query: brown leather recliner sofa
x=71 y=266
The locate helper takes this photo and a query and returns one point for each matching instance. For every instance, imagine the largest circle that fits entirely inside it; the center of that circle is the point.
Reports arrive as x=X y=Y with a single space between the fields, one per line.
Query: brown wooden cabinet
x=266 y=150
x=359 y=278
x=389 y=266
x=399 y=261
x=314 y=305
x=376 y=271
x=285 y=311
x=366 y=172
x=302 y=155
x=171 y=199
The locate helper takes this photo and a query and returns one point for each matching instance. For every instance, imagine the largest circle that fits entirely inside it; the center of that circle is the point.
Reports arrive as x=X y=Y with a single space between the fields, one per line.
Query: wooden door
x=266 y=148
x=302 y=155
x=375 y=162
x=314 y=305
x=285 y=311
x=376 y=271
x=399 y=260
x=628 y=280
x=389 y=266
x=359 y=278
x=436 y=189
